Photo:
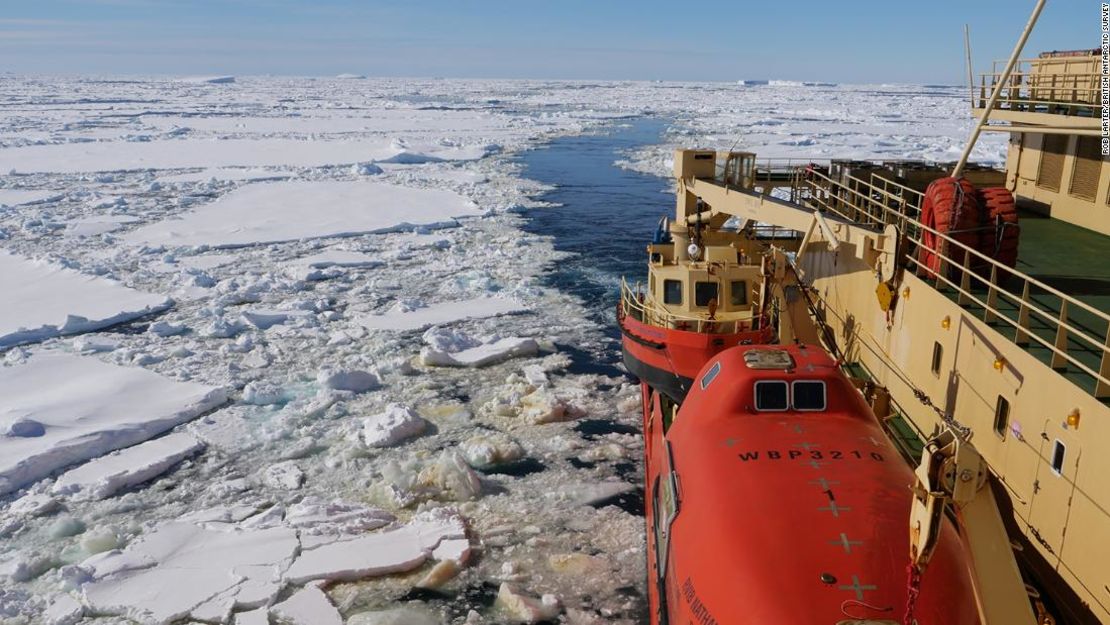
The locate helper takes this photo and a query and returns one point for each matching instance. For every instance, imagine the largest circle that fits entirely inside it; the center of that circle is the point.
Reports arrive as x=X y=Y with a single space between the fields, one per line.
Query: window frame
x=755 y=395
x=731 y=290
x=666 y=300
x=824 y=396
x=716 y=292
x=937 y=363
x=1001 y=427
x=710 y=375
x=1062 y=448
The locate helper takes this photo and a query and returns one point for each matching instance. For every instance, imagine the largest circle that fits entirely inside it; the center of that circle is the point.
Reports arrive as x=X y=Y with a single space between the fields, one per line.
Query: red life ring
x=951 y=206
x=1001 y=241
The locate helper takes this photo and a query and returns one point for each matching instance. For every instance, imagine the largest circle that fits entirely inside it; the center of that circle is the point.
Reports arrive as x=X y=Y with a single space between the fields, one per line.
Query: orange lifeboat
x=774 y=496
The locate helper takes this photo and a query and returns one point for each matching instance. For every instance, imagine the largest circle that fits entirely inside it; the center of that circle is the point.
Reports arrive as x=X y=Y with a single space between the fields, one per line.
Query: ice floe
x=60 y=409
x=409 y=317
x=189 y=153
x=391 y=426
x=47 y=300
x=454 y=348
x=290 y=211
x=329 y=264
x=105 y=476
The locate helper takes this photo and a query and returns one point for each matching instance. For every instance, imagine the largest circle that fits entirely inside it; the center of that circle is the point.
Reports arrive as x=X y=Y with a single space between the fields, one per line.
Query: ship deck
x=1055 y=302
x=1073 y=260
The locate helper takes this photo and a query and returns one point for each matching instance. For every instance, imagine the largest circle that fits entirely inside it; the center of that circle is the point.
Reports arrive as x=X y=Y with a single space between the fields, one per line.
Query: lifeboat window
x=710 y=375
x=672 y=292
x=704 y=292
x=809 y=395
x=771 y=395
x=738 y=293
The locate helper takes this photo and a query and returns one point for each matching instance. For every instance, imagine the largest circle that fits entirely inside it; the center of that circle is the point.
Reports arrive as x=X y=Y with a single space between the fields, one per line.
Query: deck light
x=999 y=363
x=946 y=322
x=906 y=293
x=1073 y=419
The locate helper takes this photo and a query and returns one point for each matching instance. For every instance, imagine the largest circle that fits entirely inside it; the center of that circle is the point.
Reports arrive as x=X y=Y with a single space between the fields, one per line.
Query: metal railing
x=975 y=277
x=635 y=304
x=1060 y=86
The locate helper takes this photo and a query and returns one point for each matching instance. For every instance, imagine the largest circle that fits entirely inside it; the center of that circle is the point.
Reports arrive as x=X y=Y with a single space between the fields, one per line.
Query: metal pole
x=997 y=89
x=970 y=74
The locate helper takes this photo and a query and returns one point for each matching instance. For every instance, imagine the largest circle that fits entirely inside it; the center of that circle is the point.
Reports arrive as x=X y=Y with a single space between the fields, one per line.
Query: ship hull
x=668 y=359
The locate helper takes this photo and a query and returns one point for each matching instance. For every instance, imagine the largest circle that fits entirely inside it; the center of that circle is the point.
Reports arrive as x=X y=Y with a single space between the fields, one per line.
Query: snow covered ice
x=59 y=410
x=46 y=300
x=280 y=348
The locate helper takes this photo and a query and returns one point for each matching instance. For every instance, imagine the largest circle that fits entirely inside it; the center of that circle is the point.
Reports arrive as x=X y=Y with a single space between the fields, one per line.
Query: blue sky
x=853 y=41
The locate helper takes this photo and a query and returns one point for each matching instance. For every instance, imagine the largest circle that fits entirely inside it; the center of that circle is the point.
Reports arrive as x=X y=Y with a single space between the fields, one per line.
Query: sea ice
x=523 y=608
x=454 y=349
x=227 y=173
x=188 y=153
x=290 y=211
x=328 y=264
x=403 y=319
x=407 y=615
x=107 y=475
x=353 y=380
x=86 y=408
x=45 y=300
x=15 y=197
x=179 y=567
x=307 y=606
x=103 y=224
x=381 y=553
x=391 y=426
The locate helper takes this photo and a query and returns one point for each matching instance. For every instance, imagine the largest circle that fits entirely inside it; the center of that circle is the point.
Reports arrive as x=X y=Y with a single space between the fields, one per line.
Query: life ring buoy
x=951 y=206
x=1000 y=242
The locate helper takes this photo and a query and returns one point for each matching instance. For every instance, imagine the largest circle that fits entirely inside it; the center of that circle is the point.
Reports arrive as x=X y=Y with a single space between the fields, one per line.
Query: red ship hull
x=668 y=359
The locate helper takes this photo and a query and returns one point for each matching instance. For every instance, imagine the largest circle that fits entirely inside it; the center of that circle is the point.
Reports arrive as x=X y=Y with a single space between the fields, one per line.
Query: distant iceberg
x=351 y=76
x=211 y=80
x=800 y=83
x=785 y=83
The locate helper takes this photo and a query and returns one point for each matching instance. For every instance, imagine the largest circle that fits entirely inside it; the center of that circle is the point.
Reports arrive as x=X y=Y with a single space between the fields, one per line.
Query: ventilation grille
x=1052 y=162
x=1088 y=168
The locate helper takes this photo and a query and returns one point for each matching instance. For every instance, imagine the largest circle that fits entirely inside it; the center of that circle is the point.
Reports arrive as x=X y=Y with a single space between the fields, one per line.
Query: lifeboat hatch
x=768 y=359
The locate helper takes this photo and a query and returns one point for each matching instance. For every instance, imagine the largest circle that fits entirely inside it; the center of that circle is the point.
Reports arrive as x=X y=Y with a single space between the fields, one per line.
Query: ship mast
x=998 y=89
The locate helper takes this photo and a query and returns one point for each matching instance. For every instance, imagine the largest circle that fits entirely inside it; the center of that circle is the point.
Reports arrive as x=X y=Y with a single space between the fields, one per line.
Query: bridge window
x=771 y=395
x=704 y=292
x=738 y=293
x=672 y=292
x=809 y=395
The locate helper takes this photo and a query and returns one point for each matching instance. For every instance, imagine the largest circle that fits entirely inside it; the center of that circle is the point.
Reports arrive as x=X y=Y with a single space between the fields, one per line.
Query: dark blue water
x=605 y=215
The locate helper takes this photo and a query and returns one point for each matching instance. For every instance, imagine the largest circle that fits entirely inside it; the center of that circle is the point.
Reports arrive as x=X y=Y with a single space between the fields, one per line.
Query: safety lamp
x=946 y=322
x=999 y=363
x=1073 y=419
